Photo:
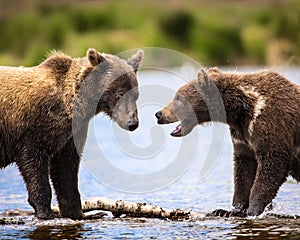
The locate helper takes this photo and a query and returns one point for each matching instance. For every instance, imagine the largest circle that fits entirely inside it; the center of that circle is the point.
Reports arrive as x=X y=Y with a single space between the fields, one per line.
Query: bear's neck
x=90 y=86
x=239 y=103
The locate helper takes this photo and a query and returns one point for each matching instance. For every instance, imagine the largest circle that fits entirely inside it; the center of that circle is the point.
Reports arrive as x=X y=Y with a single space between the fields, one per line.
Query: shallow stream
x=133 y=167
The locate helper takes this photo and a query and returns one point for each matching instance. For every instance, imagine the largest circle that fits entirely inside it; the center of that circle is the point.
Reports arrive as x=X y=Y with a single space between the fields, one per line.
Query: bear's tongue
x=177 y=131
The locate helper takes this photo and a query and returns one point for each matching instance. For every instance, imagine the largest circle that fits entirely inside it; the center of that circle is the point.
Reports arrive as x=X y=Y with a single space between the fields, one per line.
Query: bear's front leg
x=64 y=175
x=245 y=166
x=33 y=166
x=244 y=174
x=272 y=171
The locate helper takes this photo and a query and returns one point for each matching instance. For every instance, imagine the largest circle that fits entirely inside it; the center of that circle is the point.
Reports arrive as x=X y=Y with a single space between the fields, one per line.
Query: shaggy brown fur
x=263 y=112
x=38 y=108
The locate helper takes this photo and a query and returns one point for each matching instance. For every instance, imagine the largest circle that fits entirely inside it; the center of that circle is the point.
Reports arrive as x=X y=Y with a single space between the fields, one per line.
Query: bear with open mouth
x=262 y=110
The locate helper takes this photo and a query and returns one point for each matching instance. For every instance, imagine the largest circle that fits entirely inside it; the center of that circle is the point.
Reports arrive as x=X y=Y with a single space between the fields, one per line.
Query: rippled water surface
x=202 y=185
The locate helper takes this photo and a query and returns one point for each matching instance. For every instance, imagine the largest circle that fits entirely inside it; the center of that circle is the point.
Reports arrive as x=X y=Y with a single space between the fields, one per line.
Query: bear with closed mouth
x=262 y=110
x=44 y=116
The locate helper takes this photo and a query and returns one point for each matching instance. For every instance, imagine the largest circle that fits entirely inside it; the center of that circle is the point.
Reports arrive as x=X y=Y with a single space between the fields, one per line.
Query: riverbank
x=213 y=32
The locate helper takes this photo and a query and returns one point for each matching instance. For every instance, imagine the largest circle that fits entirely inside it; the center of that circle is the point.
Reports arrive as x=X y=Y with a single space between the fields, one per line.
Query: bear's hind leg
x=272 y=172
x=64 y=175
x=34 y=170
x=295 y=171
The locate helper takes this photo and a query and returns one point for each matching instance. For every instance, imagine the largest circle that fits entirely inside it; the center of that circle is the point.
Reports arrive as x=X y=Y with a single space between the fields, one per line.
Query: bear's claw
x=225 y=213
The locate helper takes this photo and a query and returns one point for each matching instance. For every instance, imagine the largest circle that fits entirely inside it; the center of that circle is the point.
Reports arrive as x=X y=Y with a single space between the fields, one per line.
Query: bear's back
x=28 y=92
x=265 y=82
x=20 y=86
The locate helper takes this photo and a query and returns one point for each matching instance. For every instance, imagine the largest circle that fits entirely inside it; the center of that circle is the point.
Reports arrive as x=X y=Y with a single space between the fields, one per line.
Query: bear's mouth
x=177 y=131
x=184 y=127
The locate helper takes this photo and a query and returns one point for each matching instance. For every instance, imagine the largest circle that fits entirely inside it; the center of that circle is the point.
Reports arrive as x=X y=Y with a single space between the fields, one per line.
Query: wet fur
x=263 y=112
x=37 y=106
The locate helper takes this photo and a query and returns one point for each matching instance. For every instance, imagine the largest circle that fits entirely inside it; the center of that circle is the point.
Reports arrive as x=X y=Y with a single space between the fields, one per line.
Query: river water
x=148 y=165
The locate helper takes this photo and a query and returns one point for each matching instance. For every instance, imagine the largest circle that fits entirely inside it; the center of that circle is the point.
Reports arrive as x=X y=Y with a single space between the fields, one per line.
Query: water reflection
x=267 y=229
x=57 y=232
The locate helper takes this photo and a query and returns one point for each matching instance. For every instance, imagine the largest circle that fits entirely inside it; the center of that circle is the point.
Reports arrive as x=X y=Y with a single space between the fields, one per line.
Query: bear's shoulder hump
x=57 y=62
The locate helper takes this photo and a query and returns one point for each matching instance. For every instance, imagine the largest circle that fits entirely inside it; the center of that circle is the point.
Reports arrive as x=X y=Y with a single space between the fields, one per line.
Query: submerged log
x=120 y=207
x=132 y=209
x=11 y=220
x=116 y=207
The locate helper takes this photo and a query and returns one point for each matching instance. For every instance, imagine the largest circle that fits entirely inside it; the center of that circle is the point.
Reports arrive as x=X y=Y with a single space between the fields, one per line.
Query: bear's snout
x=165 y=116
x=158 y=115
x=132 y=125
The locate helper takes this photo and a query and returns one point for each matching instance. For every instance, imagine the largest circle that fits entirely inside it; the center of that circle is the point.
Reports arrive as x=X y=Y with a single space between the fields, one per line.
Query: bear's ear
x=136 y=59
x=94 y=57
x=213 y=70
x=204 y=80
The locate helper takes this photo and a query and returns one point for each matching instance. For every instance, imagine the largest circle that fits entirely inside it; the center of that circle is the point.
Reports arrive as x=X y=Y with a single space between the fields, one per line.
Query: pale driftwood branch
x=120 y=207
x=14 y=216
x=132 y=209
x=11 y=220
x=117 y=208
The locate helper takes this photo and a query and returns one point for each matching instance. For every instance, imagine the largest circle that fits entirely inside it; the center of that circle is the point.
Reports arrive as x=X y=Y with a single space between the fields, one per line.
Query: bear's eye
x=119 y=95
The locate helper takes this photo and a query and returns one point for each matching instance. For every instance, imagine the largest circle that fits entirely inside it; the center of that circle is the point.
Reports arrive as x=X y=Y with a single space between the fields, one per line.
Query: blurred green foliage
x=213 y=32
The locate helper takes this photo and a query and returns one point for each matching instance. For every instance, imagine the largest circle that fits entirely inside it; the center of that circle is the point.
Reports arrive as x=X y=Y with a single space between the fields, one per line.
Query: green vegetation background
x=214 y=32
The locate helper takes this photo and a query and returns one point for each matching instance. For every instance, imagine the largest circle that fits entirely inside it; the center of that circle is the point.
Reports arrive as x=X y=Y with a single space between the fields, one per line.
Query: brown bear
x=38 y=108
x=262 y=110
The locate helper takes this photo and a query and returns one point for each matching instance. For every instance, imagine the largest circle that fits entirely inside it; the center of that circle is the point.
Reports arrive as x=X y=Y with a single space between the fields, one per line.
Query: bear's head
x=113 y=82
x=190 y=104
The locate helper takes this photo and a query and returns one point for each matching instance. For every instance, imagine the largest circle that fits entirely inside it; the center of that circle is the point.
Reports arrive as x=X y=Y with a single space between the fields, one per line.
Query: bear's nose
x=132 y=125
x=158 y=115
